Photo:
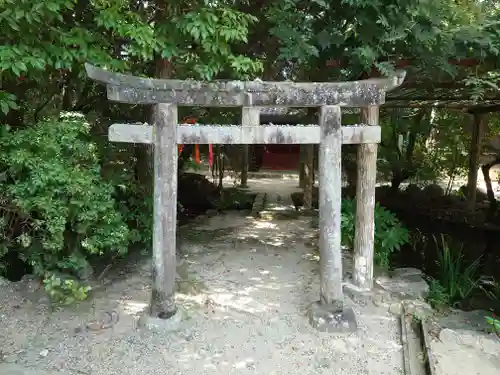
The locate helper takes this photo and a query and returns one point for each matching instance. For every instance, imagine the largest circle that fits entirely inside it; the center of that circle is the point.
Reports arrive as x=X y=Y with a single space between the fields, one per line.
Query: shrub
x=65 y=290
x=55 y=206
x=493 y=293
x=390 y=235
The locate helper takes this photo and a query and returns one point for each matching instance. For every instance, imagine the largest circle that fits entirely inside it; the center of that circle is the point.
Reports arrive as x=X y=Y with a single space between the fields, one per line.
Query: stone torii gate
x=329 y=313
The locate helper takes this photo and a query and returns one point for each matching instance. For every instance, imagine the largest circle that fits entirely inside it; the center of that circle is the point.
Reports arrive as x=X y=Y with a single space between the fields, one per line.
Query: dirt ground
x=244 y=289
x=245 y=286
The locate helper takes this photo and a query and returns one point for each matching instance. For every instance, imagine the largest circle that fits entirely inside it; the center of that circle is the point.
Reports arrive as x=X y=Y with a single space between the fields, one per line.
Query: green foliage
x=55 y=206
x=377 y=33
x=64 y=290
x=390 y=235
x=56 y=203
x=46 y=44
x=192 y=165
x=438 y=297
x=214 y=29
x=456 y=280
x=494 y=295
x=494 y=322
x=424 y=145
x=403 y=154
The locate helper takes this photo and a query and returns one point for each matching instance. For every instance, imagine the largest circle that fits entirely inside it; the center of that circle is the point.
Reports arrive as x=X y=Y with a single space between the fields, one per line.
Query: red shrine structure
x=274 y=156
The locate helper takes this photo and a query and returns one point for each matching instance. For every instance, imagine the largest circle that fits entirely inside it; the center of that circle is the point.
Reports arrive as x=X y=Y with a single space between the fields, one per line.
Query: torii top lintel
x=137 y=90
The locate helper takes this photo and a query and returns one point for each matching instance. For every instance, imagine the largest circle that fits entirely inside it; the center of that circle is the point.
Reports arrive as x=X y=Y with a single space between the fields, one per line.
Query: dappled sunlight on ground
x=134 y=307
x=245 y=293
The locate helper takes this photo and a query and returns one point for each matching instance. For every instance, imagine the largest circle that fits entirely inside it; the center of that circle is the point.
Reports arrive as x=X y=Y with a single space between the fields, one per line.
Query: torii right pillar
x=365 y=206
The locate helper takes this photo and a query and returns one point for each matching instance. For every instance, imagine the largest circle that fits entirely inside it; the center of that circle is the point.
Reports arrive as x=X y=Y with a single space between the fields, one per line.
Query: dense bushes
x=56 y=209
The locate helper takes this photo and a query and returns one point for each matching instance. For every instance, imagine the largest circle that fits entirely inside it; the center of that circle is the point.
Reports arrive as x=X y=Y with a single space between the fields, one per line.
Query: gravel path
x=246 y=293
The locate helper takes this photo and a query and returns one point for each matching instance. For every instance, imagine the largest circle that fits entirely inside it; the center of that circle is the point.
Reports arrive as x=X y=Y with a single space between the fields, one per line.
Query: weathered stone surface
x=164 y=211
x=395 y=308
x=157 y=325
x=330 y=193
x=332 y=319
x=409 y=273
x=418 y=308
x=235 y=134
x=466 y=320
x=405 y=283
x=137 y=90
x=465 y=352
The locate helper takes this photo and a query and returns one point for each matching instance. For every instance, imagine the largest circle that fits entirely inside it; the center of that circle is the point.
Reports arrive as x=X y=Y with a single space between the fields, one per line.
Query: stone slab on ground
x=407 y=283
x=465 y=352
x=332 y=320
x=460 y=344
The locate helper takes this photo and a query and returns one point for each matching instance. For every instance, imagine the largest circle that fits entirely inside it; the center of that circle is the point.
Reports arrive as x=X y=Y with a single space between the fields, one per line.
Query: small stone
x=395 y=308
x=323 y=363
x=44 y=353
x=407 y=272
x=378 y=299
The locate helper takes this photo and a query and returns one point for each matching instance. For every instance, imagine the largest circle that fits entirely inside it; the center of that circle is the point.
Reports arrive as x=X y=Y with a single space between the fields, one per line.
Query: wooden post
x=302 y=153
x=250 y=116
x=330 y=187
x=365 y=206
x=308 y=176
x=244 y=166
x=165 y=211
x=474 y=153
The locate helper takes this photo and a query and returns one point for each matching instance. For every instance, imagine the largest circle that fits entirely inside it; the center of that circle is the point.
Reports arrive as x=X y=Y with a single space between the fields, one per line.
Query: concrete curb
x=404 y=342
x=415 y=351
x=431 y=361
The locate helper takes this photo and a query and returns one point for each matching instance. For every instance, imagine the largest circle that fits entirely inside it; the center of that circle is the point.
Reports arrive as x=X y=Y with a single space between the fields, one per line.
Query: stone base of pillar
x=332 y=319
x=158 y=325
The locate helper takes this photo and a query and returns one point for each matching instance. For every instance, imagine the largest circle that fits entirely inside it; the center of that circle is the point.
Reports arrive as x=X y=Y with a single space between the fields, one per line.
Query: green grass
x=457 y=280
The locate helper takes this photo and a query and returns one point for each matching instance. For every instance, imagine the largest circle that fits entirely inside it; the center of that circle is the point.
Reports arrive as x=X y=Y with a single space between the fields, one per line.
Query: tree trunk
x=489 y=189
x=474 y=152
